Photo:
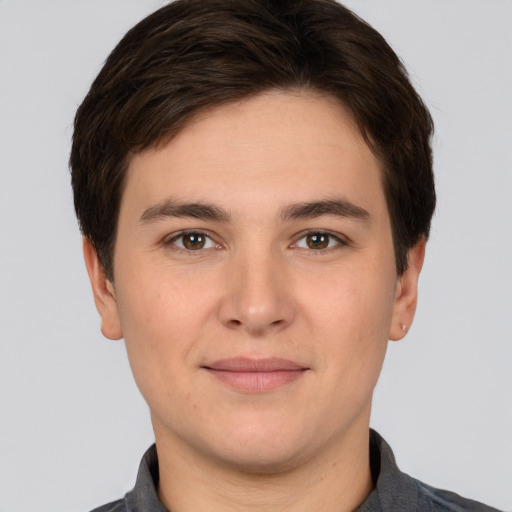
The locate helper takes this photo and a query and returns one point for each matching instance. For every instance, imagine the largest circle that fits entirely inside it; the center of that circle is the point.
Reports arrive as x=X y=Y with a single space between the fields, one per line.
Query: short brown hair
x=192 y=55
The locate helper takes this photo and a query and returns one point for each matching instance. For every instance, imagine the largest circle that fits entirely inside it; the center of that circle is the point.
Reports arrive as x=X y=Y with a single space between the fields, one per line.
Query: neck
x=337 y=480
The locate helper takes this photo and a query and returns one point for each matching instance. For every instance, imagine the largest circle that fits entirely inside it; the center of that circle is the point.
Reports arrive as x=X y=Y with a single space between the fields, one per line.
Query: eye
x=192 y=241
x=318 y=240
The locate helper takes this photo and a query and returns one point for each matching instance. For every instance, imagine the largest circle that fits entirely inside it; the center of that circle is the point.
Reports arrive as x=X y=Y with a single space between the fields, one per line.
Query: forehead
x=280 y=146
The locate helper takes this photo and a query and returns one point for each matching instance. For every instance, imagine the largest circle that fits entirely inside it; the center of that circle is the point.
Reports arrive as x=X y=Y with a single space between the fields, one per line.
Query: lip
x=255 y=375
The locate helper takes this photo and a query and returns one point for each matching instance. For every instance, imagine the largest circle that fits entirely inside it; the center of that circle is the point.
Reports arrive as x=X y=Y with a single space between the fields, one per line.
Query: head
x=193 y=56
x=253 y=181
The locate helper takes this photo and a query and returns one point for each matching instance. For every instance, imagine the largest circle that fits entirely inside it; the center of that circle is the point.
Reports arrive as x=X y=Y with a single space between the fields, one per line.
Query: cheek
x=162 y=319
x=350 y=317
x=159 y=301
x=360 y=302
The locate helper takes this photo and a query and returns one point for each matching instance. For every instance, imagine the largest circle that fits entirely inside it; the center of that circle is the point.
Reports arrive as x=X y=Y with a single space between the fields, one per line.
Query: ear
x=406 y=294
x=104 y=293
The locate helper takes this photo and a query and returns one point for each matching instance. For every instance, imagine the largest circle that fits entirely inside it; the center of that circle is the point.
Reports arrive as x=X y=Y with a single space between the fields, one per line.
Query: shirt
x=393 y=491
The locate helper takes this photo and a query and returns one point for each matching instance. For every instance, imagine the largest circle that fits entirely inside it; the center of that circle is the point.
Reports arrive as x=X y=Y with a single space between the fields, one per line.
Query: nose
x=258 y=296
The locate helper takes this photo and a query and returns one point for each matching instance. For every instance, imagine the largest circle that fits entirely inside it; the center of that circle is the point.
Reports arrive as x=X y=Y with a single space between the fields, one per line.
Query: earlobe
x=406 y=295
x=104 y=293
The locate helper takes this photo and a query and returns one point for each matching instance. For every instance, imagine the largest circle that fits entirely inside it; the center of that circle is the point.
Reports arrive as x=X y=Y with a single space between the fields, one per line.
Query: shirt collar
x=393 y=489
x=144 y=496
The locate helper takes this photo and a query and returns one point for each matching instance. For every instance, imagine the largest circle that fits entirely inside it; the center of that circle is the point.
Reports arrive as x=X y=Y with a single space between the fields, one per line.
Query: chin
x=265 y=461
x=263 y=451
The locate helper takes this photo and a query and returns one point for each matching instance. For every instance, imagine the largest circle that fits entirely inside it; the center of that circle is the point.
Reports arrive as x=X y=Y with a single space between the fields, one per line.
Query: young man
x=254 y=183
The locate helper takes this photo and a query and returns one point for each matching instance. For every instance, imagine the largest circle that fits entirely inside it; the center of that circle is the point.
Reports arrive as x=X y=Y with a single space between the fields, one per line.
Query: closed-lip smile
x=255 y=375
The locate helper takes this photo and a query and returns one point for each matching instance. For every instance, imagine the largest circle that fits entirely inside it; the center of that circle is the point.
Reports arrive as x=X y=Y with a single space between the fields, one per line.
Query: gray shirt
x=394 y=491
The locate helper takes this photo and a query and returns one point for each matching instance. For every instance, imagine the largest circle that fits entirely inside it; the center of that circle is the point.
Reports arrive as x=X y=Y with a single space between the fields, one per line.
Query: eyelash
x=171 y=242
x=339 y=241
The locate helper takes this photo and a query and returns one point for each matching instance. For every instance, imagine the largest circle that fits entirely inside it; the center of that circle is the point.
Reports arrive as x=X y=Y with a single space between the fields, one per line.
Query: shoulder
x=144 y=496
x=440 y=500
x=114 y=506
x=395 y=490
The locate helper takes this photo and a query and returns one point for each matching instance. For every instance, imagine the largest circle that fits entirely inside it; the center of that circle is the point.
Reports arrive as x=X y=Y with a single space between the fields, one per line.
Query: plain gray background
x=72 y=424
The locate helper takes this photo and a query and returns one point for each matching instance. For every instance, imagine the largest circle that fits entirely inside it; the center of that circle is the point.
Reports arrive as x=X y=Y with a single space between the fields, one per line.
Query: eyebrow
x=296 y=211
x=171 y=208
x=337 y=207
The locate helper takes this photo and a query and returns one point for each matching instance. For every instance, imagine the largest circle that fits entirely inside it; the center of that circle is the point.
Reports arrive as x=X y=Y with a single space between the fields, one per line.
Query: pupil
x=318 y=241
x=194 y=241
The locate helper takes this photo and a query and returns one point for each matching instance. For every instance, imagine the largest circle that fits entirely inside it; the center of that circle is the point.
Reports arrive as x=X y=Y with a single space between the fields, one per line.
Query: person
x=253 y=181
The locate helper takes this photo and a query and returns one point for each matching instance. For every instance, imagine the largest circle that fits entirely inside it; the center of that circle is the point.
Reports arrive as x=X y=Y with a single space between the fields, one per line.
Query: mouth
x=255 y=375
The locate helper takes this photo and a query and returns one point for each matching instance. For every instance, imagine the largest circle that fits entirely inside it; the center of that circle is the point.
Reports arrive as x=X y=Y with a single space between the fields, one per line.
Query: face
x=255 y=283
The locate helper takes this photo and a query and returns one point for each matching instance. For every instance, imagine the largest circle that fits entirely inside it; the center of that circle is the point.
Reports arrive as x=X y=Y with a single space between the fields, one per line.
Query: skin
x=256 y=289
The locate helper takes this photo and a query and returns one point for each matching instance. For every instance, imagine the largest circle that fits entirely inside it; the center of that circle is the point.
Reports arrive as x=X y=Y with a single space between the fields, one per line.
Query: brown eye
x=317 y=240
x=193 y=241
